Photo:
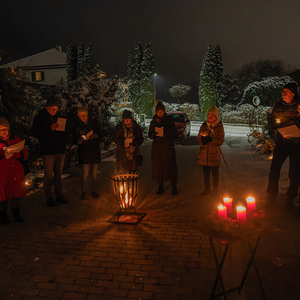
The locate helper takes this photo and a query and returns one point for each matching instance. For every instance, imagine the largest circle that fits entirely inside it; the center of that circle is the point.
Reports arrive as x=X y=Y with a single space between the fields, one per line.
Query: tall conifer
x=71 y=63
x=80 y=60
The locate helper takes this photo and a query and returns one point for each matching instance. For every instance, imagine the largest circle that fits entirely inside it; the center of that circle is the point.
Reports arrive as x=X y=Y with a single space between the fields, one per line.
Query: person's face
x=160 y=113
x=287 y=95
x=83 y=116
x=4 y=132
x=52 y=110
x=127 y=121
x=211 y=118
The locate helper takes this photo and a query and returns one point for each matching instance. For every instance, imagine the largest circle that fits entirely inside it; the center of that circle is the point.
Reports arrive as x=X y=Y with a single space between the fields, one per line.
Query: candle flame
x=221 y=206
x=240 y=208
x=250 y=199
x=227 y=199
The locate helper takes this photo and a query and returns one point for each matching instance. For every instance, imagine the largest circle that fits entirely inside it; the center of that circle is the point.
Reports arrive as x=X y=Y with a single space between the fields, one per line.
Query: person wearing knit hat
x=162 y=131
x=52 y=130
x=284 y=114
x=210 y=138
x=128 y=137
x=87 y=135
x=12 y=178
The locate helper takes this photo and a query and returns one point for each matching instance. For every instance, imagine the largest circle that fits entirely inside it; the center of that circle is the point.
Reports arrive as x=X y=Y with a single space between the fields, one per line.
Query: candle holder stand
x=125 y=188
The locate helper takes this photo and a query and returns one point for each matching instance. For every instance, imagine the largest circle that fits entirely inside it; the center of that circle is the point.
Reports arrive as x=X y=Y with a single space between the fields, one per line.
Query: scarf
x=128 y=134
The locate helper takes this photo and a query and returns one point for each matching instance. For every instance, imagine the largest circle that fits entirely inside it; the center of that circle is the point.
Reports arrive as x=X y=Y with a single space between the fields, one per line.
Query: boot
x=289 y=205
x=16 y=214
x=3 y=217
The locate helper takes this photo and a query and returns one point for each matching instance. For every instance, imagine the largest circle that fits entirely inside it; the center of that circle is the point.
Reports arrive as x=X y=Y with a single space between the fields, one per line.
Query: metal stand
x=219 y=266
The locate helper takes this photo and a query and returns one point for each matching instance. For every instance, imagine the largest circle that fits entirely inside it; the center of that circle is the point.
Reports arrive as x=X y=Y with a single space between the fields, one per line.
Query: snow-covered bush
x=192 y=110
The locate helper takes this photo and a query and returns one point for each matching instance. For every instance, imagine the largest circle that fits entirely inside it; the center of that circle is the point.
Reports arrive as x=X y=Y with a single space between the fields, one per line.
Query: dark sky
x=178 y=30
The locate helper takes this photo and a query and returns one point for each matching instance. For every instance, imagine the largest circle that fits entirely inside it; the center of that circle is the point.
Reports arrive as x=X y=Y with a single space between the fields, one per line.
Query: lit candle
x=251 y=205
x=228 y=203
x=222 y=211
x=241 y=214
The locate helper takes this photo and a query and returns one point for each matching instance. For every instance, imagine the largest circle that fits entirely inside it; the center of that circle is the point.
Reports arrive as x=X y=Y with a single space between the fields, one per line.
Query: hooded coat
x=12 y=179
x=209 y=152
x=163 y=157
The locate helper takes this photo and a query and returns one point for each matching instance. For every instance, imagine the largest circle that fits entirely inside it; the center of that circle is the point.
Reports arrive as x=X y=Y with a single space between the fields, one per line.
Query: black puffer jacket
x=88 y=150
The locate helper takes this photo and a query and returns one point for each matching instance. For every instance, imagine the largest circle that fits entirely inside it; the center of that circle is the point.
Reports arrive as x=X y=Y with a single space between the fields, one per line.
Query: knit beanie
x=126 y=114
x=52 y=102
x=214 y=111
x=4 y=122
x=159 y=106
x=292 y=87
x=82 y=109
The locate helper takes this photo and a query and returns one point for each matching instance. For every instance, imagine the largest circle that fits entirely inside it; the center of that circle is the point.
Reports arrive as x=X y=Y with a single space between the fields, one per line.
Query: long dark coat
x=163 y=157
x=210 y=153
x=122 y=162
x=12 y=179
x=89 y=150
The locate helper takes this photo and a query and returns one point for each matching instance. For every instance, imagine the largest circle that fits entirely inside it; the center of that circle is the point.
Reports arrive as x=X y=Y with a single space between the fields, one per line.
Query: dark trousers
x=280 y=154
x=53 y=164
x=86 y=170
x=173 y=184
x=215 y=175
x=12 y=203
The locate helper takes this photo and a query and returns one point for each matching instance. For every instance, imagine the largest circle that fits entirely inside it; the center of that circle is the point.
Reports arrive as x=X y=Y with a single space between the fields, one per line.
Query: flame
x=240 y=208
x=250 y=199
x=221 y=207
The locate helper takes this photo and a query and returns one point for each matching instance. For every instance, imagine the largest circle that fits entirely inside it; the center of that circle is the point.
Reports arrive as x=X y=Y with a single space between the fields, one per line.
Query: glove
x=93 y=136
x=206 y=139
x=54 y=126
x=80 y=140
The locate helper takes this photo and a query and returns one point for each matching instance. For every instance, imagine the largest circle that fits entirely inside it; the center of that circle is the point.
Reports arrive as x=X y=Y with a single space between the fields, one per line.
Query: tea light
x=241 y=214
x=251 y=205
x=222 y=211
x=228 y=203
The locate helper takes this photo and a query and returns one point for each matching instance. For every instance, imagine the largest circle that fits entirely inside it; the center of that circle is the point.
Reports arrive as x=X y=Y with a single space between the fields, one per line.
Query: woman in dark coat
x=163 y=159
x=128 y=137
x=12 y=179
x=210 y=138
x=87 y=137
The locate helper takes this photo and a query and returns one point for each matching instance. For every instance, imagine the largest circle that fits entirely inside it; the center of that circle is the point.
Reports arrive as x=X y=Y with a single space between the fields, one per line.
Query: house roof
x=52 y=57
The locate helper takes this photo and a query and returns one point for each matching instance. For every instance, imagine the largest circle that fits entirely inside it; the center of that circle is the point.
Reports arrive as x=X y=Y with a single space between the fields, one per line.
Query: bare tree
x=179 y=92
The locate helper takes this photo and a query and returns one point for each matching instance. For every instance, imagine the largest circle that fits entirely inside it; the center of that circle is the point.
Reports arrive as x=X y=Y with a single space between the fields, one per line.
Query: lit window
x=37 y=76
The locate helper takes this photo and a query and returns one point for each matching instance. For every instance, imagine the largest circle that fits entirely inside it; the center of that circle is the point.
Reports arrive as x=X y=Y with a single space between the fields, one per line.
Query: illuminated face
x=127 y=121
x=160 y=113
x=83 y=116
x=52 y=110
x=4 y=132
x=211 y=118
x=287 y=95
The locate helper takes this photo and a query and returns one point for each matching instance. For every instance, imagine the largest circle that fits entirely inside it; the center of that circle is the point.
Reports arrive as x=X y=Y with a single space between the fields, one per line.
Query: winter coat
x=210 y=152
x=88 y=150
x=12 y=179
x=51 y=141
x=163 y=157
x=118 y=137
x=283 y=115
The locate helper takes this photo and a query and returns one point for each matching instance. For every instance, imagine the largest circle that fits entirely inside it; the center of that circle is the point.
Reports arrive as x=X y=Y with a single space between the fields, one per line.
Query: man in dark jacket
x=49 y=129
x=128 y=137
x=285 y=113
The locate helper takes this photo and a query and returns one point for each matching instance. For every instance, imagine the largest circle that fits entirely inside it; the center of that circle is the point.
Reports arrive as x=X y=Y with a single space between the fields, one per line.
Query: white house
x=46 y=68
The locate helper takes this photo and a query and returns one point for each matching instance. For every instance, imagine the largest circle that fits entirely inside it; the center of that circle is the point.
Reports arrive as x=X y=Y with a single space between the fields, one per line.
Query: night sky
x=178 y=30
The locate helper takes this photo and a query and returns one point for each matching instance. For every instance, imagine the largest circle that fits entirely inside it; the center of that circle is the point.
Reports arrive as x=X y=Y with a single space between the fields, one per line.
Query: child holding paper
x=12 y=179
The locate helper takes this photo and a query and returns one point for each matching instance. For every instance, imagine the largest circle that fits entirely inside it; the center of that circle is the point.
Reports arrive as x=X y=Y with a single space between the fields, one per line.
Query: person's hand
x=204 y=133
x=80 y=140
x=155 y=133
x=93 y=136
x=54 y=126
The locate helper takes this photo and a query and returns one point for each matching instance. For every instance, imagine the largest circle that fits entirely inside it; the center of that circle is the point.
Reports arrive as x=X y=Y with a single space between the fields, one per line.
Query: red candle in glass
x=241 y=214
x=228 y=203
x=251 y=205
x=222 y=211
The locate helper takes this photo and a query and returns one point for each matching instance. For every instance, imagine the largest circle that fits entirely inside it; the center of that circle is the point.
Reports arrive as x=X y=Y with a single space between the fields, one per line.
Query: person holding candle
x=285 y=113
x=12 y=178
x=162 y=131
x=210 y=138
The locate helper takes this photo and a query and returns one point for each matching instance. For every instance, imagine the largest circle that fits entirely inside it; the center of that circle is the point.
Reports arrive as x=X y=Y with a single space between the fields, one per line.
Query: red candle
x=222 y=211
x=241 y=214
x=228 y=203
x=251 y=205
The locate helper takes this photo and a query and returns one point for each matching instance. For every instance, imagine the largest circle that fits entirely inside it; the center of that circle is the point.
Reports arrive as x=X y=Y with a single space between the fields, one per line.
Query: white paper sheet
x=10 y=150
x=62 y=124
x=160 y=131
x=289 y=131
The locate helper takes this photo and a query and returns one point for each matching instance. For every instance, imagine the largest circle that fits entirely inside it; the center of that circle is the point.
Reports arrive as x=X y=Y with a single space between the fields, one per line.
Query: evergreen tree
x=88 y=61
x=71 y=63
x=218 y=64
x=207 y=85
x=228 y=91
x=146 y=102
x=80 y=61
x=134 y=74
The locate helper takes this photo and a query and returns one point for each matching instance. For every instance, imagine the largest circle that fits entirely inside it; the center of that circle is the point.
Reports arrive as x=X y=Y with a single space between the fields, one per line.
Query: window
x=38 y=76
